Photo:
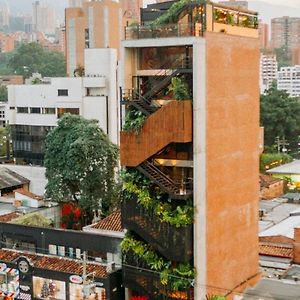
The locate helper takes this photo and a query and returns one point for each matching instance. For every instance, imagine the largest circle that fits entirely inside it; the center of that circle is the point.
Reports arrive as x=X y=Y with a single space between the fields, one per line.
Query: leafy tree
x=280 y=117
x=272 y=160
x=4 y=138
x=80 y=165
x=3 y=93
x=30 y=58
x=4 y=68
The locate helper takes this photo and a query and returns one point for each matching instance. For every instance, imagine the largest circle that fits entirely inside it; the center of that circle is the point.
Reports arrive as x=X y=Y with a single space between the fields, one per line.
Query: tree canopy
x=80 y=164
x=31 y=58
x=3 y=93
x=280 y=117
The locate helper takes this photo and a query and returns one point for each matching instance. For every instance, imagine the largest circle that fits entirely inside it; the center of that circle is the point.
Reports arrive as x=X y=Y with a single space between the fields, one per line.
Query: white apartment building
x=289 y=80
x=35 y=109
x=268 y=71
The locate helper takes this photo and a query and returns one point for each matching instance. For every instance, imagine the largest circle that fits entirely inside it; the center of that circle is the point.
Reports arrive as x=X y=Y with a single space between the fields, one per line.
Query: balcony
x=170 y=124
x=203 y=17
x=175 y=244
x=148 y=283
x=94 y=82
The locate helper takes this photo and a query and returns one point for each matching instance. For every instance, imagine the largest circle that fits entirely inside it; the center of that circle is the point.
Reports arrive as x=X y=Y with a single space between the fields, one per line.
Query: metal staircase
x=158 y=82
x=174 y=189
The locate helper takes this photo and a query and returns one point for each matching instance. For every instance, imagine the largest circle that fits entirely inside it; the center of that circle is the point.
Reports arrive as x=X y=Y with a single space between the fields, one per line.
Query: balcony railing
x=173 y=243
x=148 y=283
x=168 y=30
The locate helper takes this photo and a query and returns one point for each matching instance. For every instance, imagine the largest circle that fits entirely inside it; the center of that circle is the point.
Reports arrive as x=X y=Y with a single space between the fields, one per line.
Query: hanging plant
x=134 y=120
x=180 y=89
x=178 y=278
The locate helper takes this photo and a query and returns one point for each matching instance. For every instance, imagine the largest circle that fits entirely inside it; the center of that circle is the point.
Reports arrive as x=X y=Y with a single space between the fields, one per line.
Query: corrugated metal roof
x=9 y=178
x=284 y=228
x=290 y=168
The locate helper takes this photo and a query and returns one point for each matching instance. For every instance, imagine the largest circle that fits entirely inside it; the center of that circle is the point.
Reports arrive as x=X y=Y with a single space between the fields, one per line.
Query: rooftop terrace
x=193 y=18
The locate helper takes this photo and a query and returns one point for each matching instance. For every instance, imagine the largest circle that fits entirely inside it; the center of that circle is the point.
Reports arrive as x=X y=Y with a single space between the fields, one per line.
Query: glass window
x=35 y=110
x=62 y=92
x=22 y=110
x=62 y=111
x=49 y=110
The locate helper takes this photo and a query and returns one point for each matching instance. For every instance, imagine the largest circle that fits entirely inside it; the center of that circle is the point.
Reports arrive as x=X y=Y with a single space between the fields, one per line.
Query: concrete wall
x=36 y=175
x=232 y=153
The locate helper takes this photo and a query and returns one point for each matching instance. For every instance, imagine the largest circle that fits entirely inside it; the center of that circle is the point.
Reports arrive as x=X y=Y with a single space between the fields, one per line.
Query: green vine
x=181 y=216
x=180 y=89
x=134 y=121
x=178 y=277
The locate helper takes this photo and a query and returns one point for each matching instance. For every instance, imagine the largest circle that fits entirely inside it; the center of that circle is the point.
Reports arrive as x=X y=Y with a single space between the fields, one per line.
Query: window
x=62 y=92
x=49 y=110
x=62 y=111
x=22 y=110
x=35 y=110
x=11 y=107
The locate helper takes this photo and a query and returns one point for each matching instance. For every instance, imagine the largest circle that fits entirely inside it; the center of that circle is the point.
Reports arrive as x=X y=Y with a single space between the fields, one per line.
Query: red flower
x=67 y=209
x=77 y=212
x=139 y=298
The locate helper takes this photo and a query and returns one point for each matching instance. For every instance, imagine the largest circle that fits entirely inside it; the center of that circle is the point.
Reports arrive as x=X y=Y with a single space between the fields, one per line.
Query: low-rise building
x=43 y=263
x=270 y=187
x=289 y=80
x=268 y=71
x=35 y=109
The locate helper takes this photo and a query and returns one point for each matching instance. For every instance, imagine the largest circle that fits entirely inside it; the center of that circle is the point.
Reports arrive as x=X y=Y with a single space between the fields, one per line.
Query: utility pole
x=282 y=143
x=87 y=285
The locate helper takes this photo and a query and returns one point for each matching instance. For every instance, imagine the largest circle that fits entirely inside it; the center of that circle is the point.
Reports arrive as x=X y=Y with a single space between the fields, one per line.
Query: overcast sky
x=292 y=3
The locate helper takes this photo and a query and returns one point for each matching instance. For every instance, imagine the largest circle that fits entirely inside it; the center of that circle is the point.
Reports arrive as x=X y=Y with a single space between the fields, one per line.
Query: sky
x=267 y=8
x=291 y=3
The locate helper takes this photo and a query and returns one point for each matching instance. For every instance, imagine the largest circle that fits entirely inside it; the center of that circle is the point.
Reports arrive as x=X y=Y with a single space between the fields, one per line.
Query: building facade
x=289 y=80
x=263 y=30
x=285 y=32
x=190 y=149
x=268 y=71
x=96 y=24
x=35 y=109
x=43 y=263
x=43 y=18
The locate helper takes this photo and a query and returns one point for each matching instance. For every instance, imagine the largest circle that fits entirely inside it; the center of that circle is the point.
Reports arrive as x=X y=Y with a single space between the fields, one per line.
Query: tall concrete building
x=97 y=24
x=263 y=30
x=268 y=71
x=190 y=151
x=285 y=32
x=75 y=3
x=289 y=80
x=235 y=3
x=43 y=18
x=4 y=14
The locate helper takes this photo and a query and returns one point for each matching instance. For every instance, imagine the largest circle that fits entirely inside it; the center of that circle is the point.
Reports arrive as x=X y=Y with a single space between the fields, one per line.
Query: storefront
x=32 y=279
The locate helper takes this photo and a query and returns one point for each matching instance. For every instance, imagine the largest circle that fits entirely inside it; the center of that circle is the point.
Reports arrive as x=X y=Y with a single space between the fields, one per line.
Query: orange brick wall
x=232 y=159
x=296 y=246
x=273 y=191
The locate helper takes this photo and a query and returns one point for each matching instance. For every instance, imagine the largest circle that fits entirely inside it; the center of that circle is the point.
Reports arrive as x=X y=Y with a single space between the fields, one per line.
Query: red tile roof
x=54 y=263
x=8 y=217
x=267 y=180
x=278 y=239
x=28 y=194
x=112 y=223
x=274 y=250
